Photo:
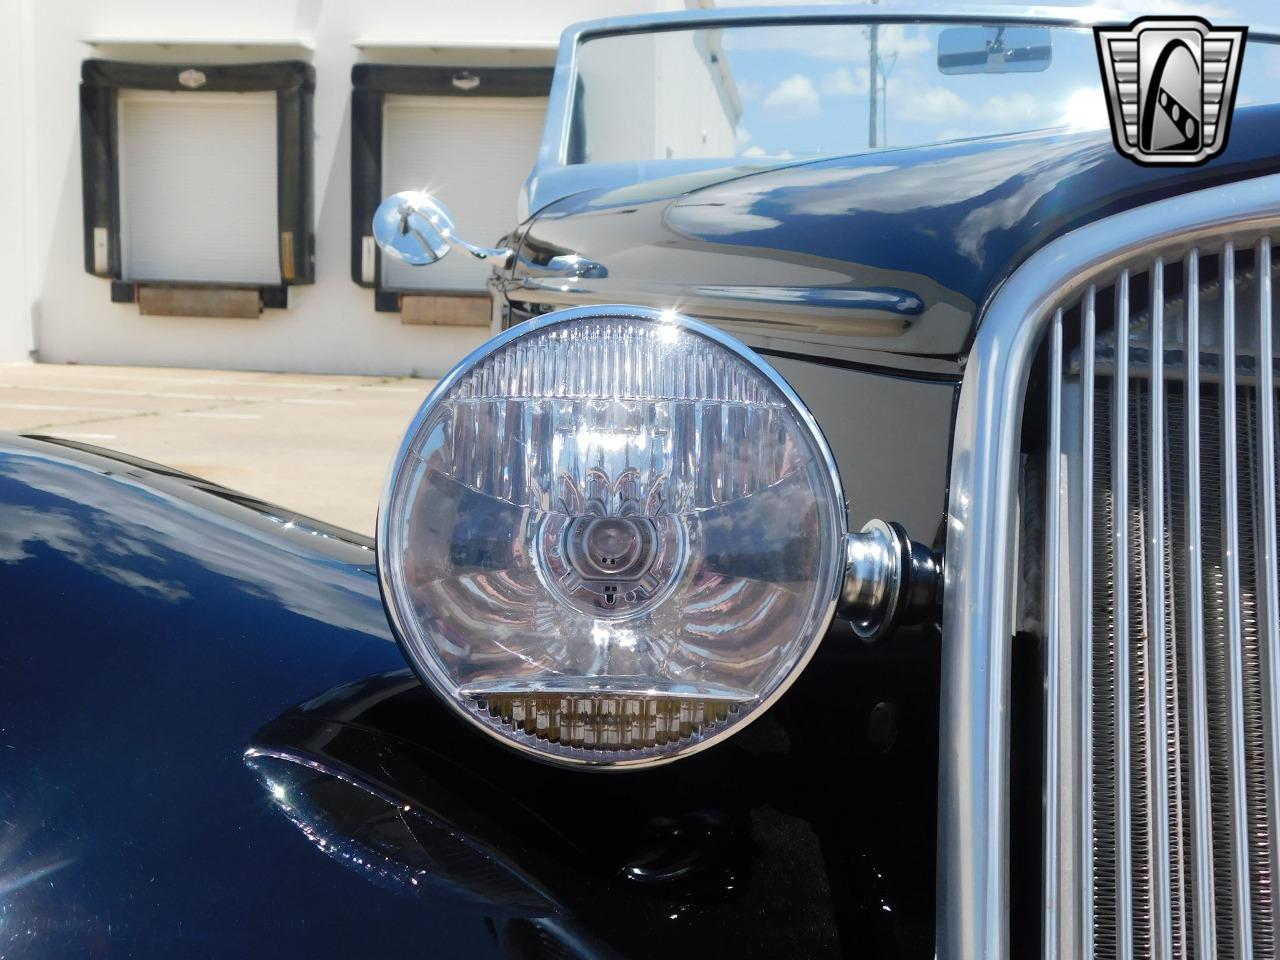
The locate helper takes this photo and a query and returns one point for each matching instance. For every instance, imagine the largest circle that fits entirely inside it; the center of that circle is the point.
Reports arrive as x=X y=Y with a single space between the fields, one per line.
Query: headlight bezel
x=434 y=676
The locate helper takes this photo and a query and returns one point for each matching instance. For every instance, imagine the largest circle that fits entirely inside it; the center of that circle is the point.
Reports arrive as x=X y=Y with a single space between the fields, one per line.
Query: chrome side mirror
x=416 y=229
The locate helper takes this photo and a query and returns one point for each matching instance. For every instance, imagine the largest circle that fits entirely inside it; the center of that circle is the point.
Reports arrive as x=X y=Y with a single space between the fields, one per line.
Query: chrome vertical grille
x=1159 y=607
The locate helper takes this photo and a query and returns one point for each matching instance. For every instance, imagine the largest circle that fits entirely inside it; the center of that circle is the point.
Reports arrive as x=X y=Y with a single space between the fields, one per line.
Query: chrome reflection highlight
x=611 y=536
x=391 y=843
x=889 y=581
x=416 y=228
x=874 y=562
x=413 y=228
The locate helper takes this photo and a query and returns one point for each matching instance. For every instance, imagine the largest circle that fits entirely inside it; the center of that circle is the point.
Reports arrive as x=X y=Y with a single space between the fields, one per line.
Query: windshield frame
x=554 y=178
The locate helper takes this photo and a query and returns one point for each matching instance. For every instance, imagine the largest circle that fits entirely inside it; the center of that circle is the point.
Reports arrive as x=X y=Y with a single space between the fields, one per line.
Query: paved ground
x=317 y=444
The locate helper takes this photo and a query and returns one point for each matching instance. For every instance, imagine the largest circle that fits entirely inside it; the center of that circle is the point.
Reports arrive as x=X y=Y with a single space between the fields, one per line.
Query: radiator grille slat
x=1176 y=575
x=1106 y=812
x=1129 y=886
x=1160 y=691
x=1163 y=675
x=1232 y=632
x=1084 y=642
x=1269 y=578
x=1202 y=838
x=1053 y=632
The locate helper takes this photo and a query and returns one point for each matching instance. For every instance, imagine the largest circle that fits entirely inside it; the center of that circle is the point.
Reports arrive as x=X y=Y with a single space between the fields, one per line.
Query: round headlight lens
x=611 y=536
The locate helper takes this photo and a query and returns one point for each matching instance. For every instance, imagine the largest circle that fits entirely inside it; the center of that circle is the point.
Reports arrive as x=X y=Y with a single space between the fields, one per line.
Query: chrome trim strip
x=973 y=840
x=1120 y=612
x=1053 y=881
x=1158 y=705
x=1269 y=576
x=1241 y=906
x=1197 y=697
x=1088 y=340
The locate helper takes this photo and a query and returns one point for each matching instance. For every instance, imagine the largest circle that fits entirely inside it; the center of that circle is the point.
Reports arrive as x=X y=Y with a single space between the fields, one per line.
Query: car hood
x=893 y=251
x=210 y=747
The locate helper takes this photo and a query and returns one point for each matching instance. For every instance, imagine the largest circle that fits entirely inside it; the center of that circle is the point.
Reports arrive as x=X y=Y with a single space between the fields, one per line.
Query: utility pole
x=884 y=98
x=873 y=78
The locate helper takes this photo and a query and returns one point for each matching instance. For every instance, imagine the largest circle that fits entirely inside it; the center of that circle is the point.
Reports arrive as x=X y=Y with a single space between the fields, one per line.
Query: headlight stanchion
x=889 y=581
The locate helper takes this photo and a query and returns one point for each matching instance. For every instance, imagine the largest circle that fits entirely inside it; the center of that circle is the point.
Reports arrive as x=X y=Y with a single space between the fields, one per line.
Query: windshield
x=801 y=90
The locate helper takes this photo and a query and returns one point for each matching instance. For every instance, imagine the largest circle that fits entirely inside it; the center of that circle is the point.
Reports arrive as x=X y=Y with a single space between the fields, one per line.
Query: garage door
x=198 y=187
x=474 y=154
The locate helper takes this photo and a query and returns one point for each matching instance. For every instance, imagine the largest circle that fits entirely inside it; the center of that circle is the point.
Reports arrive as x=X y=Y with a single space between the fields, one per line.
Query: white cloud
x=841 y=43
x=741 y=137
x=1085 y=109
x=932 y=103
x=749 y=90
x=1017 y=108
x=894 y=38
x=842 y=82
x=795 y=96
x=1209 y=11
x=753 y=152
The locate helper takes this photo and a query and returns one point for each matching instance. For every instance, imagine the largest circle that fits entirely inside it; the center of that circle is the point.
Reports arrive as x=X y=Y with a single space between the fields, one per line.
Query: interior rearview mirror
x=964 y=50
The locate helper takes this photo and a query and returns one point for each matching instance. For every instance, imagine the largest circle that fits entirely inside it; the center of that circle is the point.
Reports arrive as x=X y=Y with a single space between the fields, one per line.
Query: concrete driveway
x=316 y=444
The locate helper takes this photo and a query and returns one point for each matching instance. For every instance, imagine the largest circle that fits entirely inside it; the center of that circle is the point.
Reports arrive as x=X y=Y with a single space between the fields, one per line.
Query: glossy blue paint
x=210 y=746
x=942 y=224
x=147 y=628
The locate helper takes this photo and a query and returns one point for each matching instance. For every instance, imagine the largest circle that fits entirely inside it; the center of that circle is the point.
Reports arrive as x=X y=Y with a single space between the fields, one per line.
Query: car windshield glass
x=800 y=90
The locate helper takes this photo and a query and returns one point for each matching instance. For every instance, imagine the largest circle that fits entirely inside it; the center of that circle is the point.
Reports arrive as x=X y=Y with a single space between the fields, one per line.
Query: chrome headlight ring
x=614 y=536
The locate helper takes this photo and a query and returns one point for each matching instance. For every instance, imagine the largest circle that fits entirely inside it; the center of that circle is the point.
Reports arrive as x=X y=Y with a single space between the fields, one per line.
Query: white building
x=174 y=179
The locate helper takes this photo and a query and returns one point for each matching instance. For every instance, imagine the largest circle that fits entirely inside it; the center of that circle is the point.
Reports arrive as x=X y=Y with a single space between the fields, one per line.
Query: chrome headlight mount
x=614 y=536
x=889 y=581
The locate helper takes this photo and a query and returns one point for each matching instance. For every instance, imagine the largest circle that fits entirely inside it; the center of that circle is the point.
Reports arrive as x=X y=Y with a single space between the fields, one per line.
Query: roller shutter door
x=198 y=187
x=474 y=154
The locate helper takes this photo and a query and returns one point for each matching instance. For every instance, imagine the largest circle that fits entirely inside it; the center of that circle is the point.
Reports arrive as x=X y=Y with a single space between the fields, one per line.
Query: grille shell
x=1160 y=608
x=975 y=844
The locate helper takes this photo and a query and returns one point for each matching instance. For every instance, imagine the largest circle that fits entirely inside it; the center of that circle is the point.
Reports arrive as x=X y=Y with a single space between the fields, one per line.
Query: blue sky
x=1227 y=12
x=804 y=90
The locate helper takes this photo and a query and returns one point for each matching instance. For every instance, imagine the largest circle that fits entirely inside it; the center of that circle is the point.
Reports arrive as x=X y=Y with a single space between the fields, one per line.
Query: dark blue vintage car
x=859 y=538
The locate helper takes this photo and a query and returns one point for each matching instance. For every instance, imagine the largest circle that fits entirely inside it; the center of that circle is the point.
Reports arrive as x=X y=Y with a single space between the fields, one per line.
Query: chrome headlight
x=612 y=536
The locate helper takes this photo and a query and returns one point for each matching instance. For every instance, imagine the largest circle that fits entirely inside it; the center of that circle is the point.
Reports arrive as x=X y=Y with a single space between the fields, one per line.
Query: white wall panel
x=329 y=327
x=16 y=255
x=198 y=186
x=471 y=154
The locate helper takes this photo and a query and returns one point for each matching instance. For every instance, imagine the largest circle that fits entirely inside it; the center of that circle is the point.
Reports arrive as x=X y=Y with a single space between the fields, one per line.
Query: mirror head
x=967 y=50
x=413 y=227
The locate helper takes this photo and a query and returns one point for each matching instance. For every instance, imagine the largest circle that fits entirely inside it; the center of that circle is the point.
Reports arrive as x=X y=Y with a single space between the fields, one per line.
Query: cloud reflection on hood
x=102 y=546
x=961 y=197
x=127 y=531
